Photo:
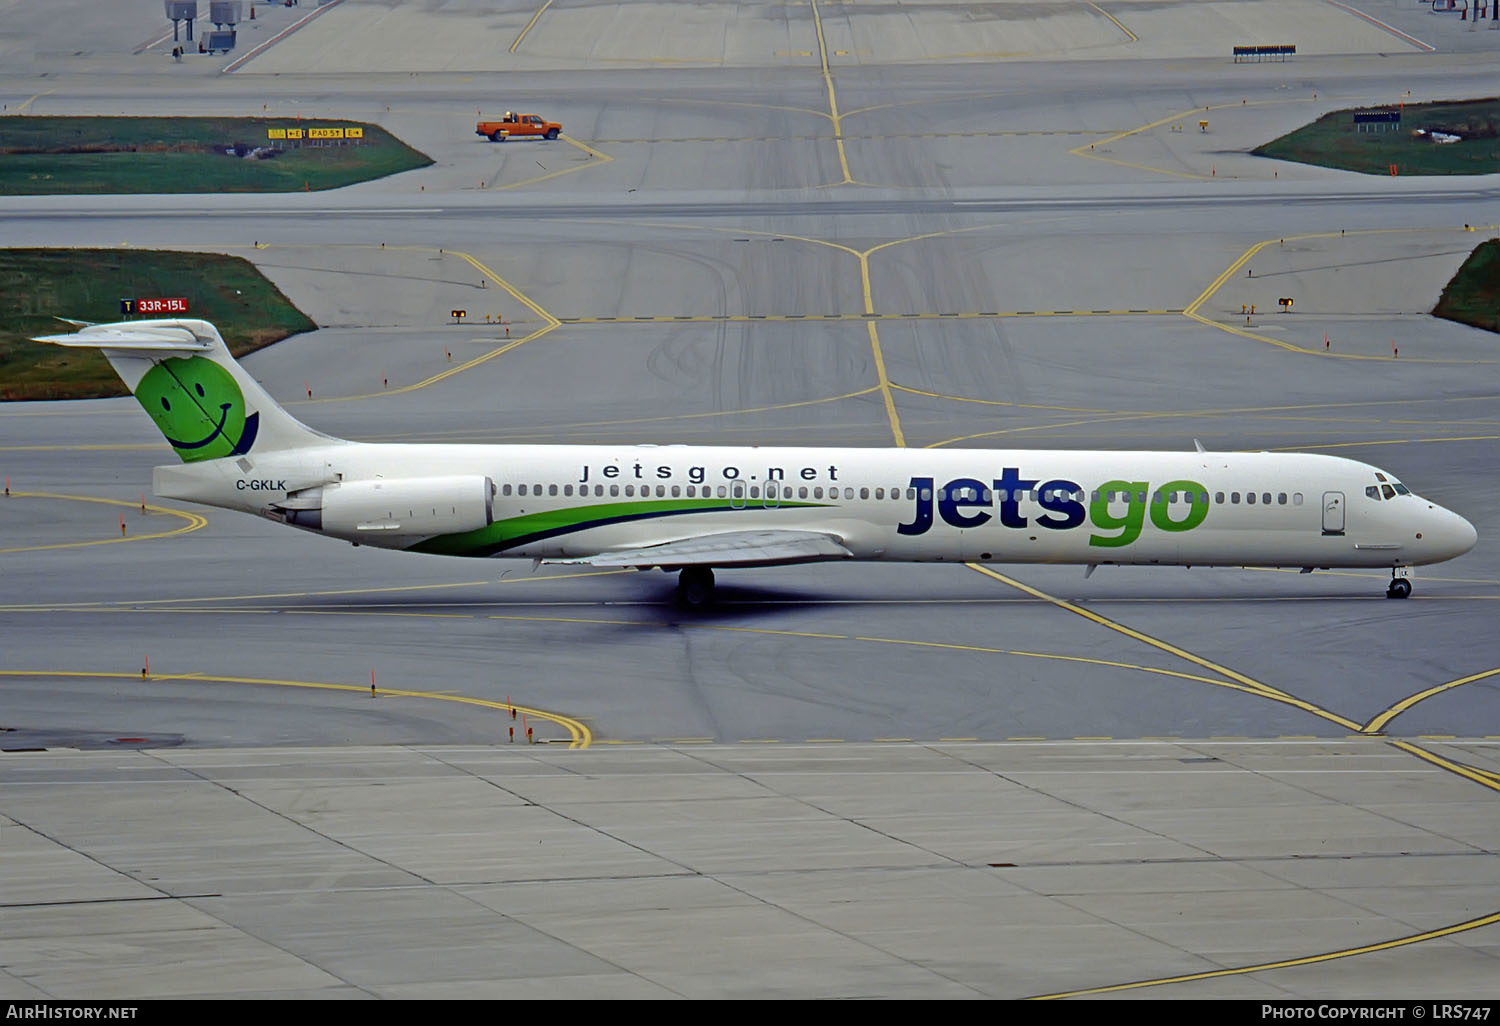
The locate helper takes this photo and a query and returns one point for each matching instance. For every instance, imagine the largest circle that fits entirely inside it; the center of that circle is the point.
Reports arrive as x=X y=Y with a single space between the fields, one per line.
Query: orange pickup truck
x=519 y=124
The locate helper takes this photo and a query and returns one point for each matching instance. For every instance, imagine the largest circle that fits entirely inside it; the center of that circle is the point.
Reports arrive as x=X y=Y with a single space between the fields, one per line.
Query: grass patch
x=1473 y=296
x=87 y=284
x=1332 y=141
x=111 y=155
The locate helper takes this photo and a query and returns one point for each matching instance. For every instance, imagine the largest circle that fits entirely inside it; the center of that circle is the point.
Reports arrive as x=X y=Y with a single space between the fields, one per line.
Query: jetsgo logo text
x=1119 y=507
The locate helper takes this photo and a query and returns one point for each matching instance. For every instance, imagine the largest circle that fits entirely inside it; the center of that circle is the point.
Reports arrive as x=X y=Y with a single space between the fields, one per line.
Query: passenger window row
x=1264 y=498
x=984 y=495
x=739 y=490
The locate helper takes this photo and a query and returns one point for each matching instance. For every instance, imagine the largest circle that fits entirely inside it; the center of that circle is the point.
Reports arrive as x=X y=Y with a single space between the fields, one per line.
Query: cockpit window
x=1401 y=489
x=1380 y=477
x=1373 y=492
x=1388 y=491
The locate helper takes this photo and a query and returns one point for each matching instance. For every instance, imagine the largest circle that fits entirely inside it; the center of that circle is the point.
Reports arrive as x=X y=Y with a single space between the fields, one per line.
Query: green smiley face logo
x=199 y=408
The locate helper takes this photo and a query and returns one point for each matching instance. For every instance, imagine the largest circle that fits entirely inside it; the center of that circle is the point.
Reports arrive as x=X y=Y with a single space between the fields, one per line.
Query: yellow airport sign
x=315 y=133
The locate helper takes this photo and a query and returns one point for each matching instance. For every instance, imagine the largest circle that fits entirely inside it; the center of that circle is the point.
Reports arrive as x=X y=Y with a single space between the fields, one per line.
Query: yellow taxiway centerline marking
x=1133 y=37
x=1387 y=441
x=1249 y=684
x=887 y=398
x=551 y=323
x=104 y=605
x=1484 y=778
x=1446 y=931
x=1191 y=311
x=582 y=737
x=627 y=320
x=536 y=308
x=194 y=522
x=529 y=25
x=32 y=99
x=833 y=102
x=602 y=158
x=1378 y=723
x=1084 y=149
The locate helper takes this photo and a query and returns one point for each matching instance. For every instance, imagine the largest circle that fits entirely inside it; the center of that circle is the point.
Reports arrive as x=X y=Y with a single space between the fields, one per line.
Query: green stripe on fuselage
x=513 y=532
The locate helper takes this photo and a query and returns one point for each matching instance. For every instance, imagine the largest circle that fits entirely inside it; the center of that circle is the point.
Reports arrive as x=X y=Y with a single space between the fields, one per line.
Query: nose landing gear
x=1400 y=586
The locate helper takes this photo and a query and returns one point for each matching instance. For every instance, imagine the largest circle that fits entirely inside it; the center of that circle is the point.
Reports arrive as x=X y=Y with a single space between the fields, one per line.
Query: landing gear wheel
x=1400 y=588
x=695 y=586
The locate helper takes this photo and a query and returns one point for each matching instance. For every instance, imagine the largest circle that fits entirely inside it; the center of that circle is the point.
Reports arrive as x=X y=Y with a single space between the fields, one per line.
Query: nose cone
x=1452 y=534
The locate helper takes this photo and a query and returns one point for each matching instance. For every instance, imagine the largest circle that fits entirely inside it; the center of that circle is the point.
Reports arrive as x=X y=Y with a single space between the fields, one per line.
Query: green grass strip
x=114 y=155
x=1334 y=141
x=40 y=285
x=1473 y=296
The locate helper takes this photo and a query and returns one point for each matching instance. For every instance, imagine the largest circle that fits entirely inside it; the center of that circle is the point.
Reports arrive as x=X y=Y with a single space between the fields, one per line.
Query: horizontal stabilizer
x=734 y=548
x=123 y=338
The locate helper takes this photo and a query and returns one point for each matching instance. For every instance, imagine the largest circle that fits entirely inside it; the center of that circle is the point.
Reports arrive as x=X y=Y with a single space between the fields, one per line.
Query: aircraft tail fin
x=203 y=402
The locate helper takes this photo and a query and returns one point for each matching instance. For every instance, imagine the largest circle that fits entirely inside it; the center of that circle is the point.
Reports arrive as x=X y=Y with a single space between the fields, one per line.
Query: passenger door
x=1333 y=513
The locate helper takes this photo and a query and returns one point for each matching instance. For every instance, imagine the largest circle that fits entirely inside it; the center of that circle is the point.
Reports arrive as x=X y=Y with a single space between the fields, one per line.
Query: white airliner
x=692 y=509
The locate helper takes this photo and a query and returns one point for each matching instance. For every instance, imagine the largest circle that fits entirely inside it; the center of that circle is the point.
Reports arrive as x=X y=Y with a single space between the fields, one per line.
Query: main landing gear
x=695 y=586
x=1400 y=586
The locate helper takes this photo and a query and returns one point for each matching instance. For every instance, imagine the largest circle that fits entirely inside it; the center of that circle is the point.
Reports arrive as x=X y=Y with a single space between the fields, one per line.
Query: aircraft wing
x=733 y=548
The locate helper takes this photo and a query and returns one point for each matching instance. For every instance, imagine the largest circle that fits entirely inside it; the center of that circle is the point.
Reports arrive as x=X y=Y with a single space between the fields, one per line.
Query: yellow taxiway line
x=833 y=101
x=1329 y=956
x=1191 y=310
x=579 y=732
x=530 y=25
x=194 y=521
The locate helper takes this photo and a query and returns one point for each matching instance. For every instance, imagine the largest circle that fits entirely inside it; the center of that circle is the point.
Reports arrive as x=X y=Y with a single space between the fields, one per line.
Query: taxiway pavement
x=847 y=780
